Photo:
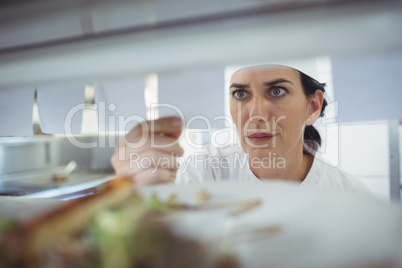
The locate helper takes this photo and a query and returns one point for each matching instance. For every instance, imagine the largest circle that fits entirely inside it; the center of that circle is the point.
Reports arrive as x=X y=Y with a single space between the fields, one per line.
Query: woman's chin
x=261 y=152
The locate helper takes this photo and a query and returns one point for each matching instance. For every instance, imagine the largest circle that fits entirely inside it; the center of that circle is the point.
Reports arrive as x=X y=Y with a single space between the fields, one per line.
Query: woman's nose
x=258 y=110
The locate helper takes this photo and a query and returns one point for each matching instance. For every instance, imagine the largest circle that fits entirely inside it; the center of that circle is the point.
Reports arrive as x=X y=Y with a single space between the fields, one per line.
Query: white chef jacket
x=231 y=163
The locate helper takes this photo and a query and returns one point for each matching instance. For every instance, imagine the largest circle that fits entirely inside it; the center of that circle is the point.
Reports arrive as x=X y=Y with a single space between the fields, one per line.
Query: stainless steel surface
x=26 y=153
x=80 y=18
x=394 y=162
x=363 y=27
x=84 y=184
x=28 y=164
x=41 y=180
x=18 y=154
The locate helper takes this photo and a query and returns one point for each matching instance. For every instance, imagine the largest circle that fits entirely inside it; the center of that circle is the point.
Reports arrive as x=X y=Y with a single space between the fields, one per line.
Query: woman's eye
x=277 y=91
x=240 y=94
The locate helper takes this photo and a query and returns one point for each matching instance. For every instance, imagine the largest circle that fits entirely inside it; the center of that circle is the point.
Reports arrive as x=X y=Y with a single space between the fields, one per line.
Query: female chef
x=273 y=108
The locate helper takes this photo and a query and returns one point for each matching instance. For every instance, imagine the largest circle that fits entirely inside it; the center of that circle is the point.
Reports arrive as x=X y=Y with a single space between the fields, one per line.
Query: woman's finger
x=126 y=151
x=167 y=126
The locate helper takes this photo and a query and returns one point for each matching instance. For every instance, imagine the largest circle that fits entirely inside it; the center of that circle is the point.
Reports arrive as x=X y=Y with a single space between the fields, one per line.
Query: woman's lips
x=260 y=137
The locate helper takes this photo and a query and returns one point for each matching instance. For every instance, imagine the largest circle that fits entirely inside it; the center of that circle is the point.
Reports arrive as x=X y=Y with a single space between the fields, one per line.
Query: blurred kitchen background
x=100 y=67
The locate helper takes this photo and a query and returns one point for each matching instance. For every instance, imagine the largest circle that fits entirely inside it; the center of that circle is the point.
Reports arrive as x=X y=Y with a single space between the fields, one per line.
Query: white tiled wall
x=363 y=151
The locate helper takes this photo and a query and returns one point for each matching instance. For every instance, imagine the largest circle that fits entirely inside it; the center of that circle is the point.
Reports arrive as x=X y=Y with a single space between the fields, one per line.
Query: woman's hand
x=148 y=153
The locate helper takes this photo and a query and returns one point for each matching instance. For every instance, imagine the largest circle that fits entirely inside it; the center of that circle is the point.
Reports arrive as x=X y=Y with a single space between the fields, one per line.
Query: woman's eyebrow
x=277 y=81
x=236 y=85
x=270 y=83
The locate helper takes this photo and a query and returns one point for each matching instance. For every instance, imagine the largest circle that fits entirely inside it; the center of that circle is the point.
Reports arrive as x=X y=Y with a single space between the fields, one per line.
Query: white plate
x=310 y=228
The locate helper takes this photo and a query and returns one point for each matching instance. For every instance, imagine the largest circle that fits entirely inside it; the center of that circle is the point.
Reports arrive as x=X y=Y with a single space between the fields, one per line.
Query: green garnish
x=7 y=225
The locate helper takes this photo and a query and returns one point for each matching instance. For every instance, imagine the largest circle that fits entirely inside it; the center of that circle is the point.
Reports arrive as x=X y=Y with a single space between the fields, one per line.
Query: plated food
x=115 y=228
x=225 y=224
x=288 y=226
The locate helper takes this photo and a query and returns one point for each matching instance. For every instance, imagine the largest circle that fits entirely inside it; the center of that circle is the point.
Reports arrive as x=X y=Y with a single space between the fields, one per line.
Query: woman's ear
x=316 y=101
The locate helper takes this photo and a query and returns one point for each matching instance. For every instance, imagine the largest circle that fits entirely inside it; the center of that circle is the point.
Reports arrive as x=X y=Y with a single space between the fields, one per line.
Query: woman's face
x=269 y=109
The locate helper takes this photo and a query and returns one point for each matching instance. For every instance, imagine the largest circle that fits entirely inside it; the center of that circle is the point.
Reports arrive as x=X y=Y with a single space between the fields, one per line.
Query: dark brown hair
x=310 y=85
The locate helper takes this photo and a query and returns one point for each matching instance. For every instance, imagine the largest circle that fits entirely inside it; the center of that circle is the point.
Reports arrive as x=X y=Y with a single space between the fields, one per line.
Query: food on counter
x=6 y=225
x=202 y=196
x=62 y=176
x=59 y=178
x=114 y=228
x=246 y=206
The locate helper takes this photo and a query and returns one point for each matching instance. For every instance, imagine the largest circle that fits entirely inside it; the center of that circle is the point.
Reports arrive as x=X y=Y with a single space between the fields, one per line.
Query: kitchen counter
x=39 y=184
